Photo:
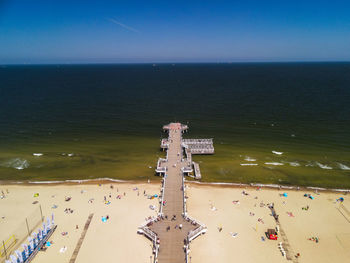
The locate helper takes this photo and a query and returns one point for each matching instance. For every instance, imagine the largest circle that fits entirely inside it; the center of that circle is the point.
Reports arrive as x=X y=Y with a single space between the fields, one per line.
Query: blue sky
x=173 y=31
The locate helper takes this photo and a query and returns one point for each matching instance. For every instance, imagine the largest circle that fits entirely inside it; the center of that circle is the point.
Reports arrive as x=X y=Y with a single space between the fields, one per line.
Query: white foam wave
x=248 y=159
x=278 y=153
x=343 y=166
x=271 y=186
x=38 y=154
x=79 y=181
x=323 y=166
x=67 y=154
x=192 y=182
x=16 y=163
x=249 y=164
x=295 y=164
x=274 y=163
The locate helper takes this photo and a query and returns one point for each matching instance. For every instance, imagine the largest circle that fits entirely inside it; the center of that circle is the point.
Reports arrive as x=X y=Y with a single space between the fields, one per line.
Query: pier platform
x=173 y=229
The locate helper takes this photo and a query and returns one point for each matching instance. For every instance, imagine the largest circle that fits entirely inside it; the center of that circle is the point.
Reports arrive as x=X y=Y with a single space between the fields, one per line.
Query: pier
x=173 y=229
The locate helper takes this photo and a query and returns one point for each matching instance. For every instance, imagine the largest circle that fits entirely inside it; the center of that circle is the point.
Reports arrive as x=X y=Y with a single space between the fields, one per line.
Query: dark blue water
x=301 y=109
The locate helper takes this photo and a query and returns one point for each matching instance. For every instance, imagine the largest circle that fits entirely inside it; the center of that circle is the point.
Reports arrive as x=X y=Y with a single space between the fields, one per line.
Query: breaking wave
x=16 y=163
x=274 y=163
x=249 y=164
x=343 y=166
x=248 y=159
x=295 y=164
x=323 y=166
x=278 y=153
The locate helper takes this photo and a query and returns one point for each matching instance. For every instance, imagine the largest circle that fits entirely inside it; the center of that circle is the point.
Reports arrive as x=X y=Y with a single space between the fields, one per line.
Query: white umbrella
x=13 y=259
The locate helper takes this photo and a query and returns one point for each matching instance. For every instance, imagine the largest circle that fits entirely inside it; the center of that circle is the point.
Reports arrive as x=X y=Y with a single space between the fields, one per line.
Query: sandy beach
x=242 y=218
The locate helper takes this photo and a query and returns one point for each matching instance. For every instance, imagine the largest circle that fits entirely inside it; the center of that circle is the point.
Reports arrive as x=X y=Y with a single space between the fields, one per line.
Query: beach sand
x=117 y=240
x=322 y=220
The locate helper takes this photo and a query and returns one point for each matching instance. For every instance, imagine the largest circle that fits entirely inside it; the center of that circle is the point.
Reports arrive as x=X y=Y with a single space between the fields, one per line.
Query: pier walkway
x=173 y=230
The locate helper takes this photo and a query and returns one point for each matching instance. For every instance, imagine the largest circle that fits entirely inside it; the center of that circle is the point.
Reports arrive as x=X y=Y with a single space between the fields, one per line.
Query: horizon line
x=174 y=62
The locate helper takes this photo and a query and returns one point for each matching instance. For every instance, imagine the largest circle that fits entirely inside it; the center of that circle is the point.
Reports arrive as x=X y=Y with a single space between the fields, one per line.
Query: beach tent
x=19 y=256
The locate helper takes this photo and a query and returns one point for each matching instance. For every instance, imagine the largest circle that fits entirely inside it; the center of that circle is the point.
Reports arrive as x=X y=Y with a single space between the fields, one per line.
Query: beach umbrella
x=13 y=259
x=52 y=220
x=19 y=256
x=40 y=234
x=26 y=251
x=35 y=239
x=24 y=255
x=31 y=243
x=48 y=225
x=44 y=229
x=285 y=194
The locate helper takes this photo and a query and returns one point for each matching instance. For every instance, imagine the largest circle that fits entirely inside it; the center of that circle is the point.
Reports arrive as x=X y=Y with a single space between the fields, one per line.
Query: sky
x=173 y=31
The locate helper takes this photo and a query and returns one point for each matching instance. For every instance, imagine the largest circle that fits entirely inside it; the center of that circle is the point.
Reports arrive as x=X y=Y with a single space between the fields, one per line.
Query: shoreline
x=217 y=184
x=236 y=208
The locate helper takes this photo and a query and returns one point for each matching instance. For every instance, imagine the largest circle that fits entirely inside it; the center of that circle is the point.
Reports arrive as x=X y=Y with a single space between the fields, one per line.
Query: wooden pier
x=173 y=230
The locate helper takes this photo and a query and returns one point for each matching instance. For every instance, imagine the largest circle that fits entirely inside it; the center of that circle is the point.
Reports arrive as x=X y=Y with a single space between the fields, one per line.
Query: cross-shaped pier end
x=173 y=229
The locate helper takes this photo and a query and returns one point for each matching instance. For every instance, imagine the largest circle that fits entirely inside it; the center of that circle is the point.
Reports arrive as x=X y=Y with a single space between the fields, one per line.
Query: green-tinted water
x=105 y=121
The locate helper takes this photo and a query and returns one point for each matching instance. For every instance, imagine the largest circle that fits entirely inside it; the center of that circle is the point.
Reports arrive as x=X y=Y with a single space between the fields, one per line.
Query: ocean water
x=283 y=123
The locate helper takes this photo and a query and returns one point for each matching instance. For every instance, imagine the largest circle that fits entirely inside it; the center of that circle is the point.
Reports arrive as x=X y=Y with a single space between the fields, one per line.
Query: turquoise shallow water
x=92 y=121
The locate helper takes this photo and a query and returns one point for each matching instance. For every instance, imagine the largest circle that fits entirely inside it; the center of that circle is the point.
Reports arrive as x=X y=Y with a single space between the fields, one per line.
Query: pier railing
x=162 y=199
x=198 y=231
x=184 y=197
x=197 y=171
x=198 y=146
x=160 y=168
x=145 y=230
x=164 y=144
x=195 y=233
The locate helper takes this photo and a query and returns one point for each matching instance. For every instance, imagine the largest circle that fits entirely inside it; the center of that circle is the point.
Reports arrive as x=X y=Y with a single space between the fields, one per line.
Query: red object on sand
x=273 y=237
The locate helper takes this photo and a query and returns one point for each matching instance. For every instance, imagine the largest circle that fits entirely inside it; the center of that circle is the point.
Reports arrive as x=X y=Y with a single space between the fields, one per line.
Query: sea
x=272 y=123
